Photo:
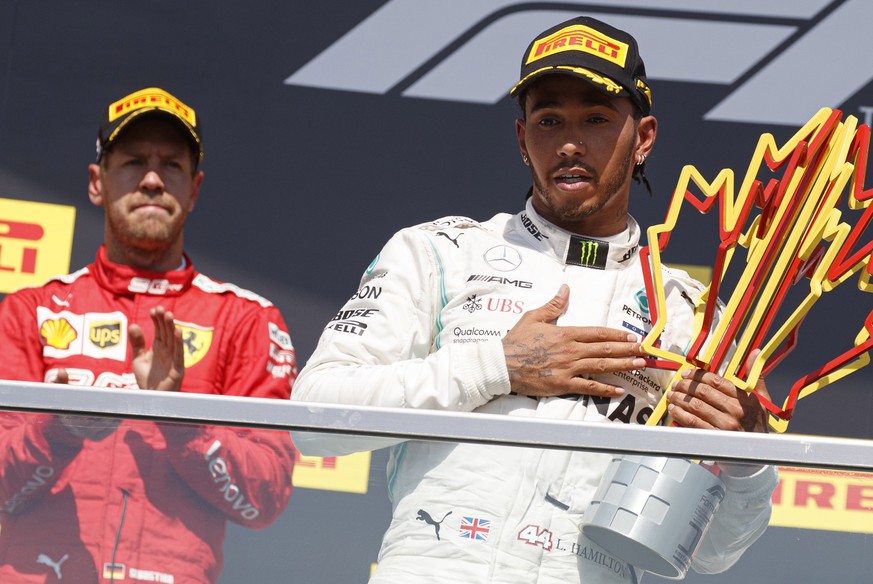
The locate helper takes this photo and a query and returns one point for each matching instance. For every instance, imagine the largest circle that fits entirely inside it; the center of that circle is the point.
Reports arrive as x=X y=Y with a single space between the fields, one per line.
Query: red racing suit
x=149 y=502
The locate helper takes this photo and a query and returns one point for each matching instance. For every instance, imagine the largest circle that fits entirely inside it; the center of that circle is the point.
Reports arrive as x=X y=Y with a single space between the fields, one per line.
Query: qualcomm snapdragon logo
x=779 y=61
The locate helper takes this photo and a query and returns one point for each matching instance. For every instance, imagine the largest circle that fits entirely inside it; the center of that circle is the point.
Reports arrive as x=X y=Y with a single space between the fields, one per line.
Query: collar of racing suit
x=605 y=253
x=121 y=279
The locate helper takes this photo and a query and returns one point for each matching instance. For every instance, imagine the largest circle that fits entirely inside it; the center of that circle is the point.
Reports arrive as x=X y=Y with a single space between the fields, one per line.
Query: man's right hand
x=544 y=359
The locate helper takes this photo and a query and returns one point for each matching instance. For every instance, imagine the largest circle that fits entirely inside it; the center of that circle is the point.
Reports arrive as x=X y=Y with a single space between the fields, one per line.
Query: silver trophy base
x=652 y=512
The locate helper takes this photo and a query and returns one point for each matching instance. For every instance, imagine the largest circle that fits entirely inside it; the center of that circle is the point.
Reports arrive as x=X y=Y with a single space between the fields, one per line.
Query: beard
x=144 y=233
x=606 y=186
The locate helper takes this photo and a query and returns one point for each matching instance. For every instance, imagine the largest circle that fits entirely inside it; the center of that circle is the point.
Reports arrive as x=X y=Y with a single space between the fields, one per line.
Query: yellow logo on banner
x=36 y=240
x=580 y=38
x=824 y=500
x=348 y=474
x=196 y=341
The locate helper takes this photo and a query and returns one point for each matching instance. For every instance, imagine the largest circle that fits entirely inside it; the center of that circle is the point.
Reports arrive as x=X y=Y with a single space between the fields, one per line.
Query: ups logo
x=105 y=334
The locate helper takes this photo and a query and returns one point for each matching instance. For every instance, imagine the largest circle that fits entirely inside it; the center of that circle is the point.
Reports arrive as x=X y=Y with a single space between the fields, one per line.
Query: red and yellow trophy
x=788 y=234
x=783 y=243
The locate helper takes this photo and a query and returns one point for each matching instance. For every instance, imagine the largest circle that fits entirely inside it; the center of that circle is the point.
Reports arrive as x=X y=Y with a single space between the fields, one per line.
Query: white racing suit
x=424 y=331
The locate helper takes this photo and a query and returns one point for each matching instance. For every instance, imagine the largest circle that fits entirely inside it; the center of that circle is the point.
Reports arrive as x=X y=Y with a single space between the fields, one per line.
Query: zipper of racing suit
x=124 y=496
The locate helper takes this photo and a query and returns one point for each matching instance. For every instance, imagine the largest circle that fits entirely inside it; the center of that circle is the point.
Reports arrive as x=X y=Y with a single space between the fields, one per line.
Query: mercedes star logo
x=503 y=258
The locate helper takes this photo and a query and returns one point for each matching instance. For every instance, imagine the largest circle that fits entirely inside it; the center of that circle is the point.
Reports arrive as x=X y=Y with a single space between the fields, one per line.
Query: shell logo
x=58 y=333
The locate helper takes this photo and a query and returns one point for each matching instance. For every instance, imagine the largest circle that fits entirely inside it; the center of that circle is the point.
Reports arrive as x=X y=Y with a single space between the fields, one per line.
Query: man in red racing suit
x=94 y=500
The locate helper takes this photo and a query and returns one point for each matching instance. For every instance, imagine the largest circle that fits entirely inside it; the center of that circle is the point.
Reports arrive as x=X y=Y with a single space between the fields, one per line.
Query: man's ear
x=522 y=145
x=647 y=130
x=95 y=185
x=195 y=190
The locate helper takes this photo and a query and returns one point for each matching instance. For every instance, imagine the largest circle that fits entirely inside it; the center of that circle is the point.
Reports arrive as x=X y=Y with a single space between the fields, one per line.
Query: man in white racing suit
x=538 y=314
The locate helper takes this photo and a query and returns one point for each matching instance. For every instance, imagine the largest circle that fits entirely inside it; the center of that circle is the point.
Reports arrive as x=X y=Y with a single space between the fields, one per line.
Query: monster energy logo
x=589 y=253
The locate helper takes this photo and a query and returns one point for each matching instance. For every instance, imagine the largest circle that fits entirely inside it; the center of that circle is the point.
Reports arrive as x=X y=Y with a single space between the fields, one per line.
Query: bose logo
x=790 y=57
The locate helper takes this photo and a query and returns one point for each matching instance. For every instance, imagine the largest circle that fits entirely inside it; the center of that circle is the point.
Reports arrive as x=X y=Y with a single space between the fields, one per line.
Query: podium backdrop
x=330 y=125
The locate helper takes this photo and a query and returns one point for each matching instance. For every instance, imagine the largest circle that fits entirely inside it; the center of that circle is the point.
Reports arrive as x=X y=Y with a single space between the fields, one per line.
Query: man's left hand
x=162 y=367
x=706 y=400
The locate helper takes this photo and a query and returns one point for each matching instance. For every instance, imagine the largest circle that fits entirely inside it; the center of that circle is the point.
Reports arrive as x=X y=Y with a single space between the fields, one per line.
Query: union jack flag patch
x=475 y=528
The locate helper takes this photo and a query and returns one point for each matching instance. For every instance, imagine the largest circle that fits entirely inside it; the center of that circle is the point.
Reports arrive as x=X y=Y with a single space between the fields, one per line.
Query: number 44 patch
x=536 y=536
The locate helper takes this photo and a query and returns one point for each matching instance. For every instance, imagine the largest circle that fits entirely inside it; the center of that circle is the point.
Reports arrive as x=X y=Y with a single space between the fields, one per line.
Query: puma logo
x=455 y=240
x=60 y=302
x=425 y=516
x=56 y=566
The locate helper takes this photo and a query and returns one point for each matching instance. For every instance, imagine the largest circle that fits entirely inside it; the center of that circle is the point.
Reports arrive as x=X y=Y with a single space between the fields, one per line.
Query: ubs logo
x=473 y=304
x=505 y=305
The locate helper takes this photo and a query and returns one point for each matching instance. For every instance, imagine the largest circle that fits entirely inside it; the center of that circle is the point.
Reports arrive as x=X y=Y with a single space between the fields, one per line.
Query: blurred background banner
x=36 y=241
x=349 y=474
